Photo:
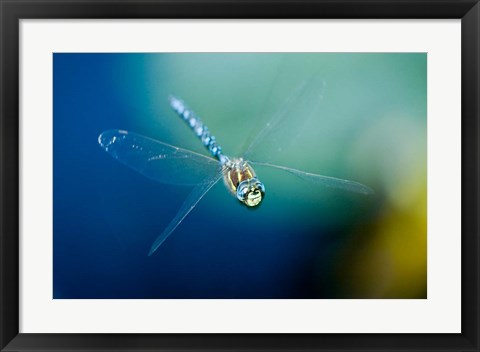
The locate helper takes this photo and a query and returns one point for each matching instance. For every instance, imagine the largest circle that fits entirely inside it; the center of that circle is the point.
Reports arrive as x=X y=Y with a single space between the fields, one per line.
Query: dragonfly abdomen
x=239 y=176
x=198 y=127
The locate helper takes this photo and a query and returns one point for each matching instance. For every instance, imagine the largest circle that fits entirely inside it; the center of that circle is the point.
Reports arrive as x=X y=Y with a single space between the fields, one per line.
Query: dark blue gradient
x=106 y=216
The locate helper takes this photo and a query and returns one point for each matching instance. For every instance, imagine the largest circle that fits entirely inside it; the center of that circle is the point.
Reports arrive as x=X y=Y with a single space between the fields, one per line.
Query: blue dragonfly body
x=174 y=165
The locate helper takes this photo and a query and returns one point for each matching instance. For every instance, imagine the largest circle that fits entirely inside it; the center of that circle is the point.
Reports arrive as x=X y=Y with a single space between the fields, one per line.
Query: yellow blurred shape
x=388 y=257
x=392 y=261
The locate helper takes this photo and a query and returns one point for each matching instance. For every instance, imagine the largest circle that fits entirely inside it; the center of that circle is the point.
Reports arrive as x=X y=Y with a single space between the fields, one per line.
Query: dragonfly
x=170 y=164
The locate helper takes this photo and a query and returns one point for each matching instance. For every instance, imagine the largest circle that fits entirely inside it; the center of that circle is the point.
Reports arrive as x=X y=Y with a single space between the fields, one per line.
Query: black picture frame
x=12 y=11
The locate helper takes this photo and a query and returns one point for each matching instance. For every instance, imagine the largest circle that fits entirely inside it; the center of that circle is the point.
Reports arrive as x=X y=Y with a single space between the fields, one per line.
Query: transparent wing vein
x=157 y=160
x=192 y=200
x=285 y=125
x=327 y=181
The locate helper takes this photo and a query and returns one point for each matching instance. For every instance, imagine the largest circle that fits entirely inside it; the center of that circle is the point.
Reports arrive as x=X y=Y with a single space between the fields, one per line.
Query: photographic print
x=239 y=175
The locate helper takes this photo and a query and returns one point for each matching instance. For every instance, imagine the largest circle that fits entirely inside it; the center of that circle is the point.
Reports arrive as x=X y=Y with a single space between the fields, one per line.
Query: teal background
x=304 y=241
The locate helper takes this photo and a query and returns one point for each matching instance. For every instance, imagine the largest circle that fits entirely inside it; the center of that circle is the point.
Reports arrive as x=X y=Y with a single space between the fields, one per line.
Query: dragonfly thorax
x=242 y=182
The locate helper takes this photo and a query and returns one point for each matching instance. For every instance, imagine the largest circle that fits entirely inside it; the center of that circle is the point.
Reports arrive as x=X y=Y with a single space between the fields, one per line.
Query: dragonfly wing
x=327 y=181
x=157 y=160
x=284 y=126
x=192 y=200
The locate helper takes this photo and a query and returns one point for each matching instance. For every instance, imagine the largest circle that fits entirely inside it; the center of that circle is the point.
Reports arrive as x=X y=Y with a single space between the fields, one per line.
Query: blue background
x=304 y=241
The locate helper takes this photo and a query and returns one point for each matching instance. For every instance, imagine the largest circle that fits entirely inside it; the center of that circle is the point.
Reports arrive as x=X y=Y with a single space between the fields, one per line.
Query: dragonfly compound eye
x=251 y=192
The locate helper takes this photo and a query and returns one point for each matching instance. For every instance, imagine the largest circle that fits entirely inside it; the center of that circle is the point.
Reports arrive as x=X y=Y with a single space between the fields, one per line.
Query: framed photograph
x=231 y=176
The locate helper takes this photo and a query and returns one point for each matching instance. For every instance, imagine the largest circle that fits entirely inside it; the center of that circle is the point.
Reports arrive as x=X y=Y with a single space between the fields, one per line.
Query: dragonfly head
x=251 y=192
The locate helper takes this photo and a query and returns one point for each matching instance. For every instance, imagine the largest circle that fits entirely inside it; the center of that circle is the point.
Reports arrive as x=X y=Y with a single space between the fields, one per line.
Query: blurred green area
x=370 y=126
